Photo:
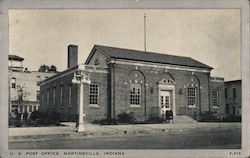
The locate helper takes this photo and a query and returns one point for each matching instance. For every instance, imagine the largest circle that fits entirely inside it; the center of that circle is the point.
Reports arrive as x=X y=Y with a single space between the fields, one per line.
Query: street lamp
x=81 y=78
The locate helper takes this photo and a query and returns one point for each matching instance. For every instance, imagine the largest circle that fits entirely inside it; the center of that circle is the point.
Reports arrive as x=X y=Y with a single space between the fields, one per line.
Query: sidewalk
x=93 y=130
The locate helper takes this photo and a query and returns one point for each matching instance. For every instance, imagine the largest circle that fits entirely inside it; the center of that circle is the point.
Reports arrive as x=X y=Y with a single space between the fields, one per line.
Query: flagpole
x=145 y=37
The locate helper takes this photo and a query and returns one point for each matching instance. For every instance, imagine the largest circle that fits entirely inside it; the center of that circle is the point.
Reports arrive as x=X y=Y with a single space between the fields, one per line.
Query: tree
x=53 y=68
x=42 y=68
x=22 y=93
x=46 y=68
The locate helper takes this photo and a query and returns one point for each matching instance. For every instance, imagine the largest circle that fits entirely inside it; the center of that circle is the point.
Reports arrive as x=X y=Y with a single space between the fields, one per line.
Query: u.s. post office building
x=144 y=84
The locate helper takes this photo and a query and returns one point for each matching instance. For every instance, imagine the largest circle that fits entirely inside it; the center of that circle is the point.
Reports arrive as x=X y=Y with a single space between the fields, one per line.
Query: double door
x=165 y=101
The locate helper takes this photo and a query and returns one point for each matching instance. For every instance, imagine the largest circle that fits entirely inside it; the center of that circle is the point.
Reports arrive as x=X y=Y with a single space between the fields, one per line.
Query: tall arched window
x=193 y=86
x=136 y=82
x=135 y=94
x=93 y=94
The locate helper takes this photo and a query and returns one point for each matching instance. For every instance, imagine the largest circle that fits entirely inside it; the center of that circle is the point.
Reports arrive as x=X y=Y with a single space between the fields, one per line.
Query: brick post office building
x=142 y=83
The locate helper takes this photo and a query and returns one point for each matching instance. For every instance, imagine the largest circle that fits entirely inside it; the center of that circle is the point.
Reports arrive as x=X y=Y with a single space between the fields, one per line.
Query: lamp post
x=81 y=77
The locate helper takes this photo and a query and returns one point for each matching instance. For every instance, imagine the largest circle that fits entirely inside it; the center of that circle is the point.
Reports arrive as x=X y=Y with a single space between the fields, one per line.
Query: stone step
x=183 y=119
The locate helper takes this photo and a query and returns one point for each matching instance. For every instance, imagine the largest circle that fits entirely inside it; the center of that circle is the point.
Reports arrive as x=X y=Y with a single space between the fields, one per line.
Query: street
x=216 y=139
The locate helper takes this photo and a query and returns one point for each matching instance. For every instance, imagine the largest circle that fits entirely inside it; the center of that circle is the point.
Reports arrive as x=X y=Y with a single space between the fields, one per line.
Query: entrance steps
x=183 y=119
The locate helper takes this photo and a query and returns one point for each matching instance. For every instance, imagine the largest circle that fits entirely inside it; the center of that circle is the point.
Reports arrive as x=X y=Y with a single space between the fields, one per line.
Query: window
x=30 y=108
x=135 y=94
x=61 y=95
x=226 y=93
x=20 y=94
x=54 y=96
x=13 y=83
x=215 y=98
x=227 y=109
x=191 y=96
x=93 y=94
x=38 y=78
x=234 y=92
x=25 y=109
x=21 y=109
x=47 y=98
x=43 y=99
x=234 y=110
x=38 y=95
x=70 y=95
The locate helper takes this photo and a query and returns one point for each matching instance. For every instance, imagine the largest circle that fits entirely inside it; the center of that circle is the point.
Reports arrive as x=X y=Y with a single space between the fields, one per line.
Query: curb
x=116 y=133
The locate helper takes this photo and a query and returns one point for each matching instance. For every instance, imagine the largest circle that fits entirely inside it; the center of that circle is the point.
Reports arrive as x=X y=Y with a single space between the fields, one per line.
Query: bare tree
x=22 y=94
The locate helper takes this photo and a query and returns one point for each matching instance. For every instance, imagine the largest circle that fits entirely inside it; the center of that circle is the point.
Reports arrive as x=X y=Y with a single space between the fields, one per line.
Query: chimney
x=72 y=56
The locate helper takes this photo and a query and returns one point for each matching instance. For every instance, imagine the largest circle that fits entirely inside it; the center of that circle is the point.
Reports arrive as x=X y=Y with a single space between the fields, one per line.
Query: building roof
x=129 y=54
x=15 y=57
x=217 y=78
x=233 y=81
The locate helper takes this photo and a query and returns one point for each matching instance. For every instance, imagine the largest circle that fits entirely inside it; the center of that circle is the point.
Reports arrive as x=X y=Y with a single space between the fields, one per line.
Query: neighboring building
x=233 y=97
x=24 y=93
x=217 y=95
x=143 y=83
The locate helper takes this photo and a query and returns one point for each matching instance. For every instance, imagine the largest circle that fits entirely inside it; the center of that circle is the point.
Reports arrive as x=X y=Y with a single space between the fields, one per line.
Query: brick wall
x=150 y=92
x=147 y=76
x=70 y=112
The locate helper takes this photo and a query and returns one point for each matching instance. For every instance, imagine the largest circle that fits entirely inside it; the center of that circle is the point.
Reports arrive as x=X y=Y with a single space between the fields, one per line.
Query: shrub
x=15 y=122
x=25 y=116
x=155 y=119
x=125 y=118
x=232 y=118
x=207 y=117
x=44 y=118
x=106 y=122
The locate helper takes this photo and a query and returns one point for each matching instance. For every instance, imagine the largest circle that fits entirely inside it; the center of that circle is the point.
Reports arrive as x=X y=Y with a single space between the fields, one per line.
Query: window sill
x=216 y=107
x=94 y=106
x=135 y=106
x=191 y=106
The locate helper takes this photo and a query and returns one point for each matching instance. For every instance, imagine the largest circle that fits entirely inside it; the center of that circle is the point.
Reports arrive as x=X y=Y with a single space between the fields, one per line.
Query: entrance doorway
x=165 y=102
x=166 y=97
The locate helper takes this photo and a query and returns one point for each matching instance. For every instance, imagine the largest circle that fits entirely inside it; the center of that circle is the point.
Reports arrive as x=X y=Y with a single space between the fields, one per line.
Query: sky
x=211 y=36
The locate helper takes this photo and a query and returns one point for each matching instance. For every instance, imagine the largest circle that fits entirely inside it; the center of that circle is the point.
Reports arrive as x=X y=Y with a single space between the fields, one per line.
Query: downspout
x=209 y=99
x=145 y=94
x=112 y=88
